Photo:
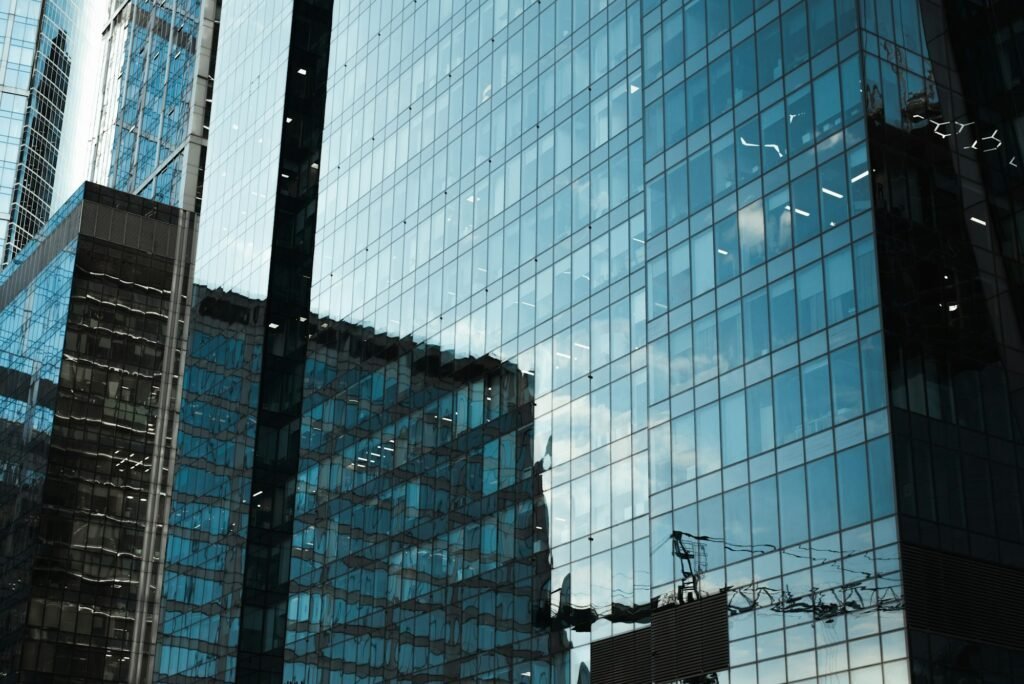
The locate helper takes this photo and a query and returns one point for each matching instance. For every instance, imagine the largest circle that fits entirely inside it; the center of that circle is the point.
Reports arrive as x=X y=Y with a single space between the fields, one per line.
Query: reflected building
x=612 y=341
x=92 y=318
x=419 y=534
x=211 y=489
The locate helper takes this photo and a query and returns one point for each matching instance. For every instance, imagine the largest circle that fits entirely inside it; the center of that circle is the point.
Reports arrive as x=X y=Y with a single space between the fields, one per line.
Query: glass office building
x=154 y=108
x=605 y=341
x=46 y=106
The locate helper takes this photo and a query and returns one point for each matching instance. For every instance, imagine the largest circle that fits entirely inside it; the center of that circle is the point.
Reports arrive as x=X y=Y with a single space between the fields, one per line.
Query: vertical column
x=275 y=464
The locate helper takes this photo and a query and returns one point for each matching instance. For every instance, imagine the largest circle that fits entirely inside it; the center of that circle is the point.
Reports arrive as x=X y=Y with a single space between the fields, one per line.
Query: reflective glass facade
x=158 y=81
x=21 y=22
x=92 y=319
x=47 y=108
x=946 y=142
x=567 y=330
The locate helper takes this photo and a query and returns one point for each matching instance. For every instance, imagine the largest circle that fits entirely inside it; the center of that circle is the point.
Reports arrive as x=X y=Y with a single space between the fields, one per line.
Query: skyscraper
x=48 y=109
x=560 y=341
x=752 y=267
x=154 y=108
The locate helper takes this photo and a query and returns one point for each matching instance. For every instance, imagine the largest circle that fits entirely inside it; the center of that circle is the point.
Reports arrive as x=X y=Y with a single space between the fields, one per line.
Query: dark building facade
x=945 y=137
x=605 y=341
x=93 y=319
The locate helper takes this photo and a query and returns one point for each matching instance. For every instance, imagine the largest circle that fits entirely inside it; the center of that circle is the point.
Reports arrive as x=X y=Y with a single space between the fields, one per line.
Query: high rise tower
x=596 y=340
x=48 y=104
x=157 y=89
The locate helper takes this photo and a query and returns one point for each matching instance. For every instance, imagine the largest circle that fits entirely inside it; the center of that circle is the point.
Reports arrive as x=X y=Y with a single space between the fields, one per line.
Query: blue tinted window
x=760 y=418
x=769 y=54
x=792 y=506
x=846 y=383
x=817 y=397
x=756 y=338
x=822 y=499
x=854 y=502
x=783 y=312
x=734 y=441
x=810 y=299
x=675 y=115
x=788 y=418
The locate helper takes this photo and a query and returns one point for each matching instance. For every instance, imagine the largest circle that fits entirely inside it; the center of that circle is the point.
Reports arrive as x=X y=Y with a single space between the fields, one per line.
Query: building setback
x=93 y=319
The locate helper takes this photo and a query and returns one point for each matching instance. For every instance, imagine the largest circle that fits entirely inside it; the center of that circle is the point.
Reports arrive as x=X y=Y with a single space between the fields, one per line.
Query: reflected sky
x=79 y=130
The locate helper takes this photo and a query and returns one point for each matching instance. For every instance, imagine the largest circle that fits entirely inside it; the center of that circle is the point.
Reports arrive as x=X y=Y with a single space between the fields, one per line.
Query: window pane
x=730 y=337
x=764 y=513
x=727 y=262
x=853 y=487
x=810 y=300
x=800 y=119
x=769 y=54
x=675 y=115
x=703 y=260
x=882 y=493
x=788 y=423
x=783 y=311
x=684 y=453
x=821 y=495
x=737 y=524
x=723 y=166
x=679 y=275
x=744 y=80
x=792 y=506
x=846 y=389
x=751 y=222
x=694 y=24
x=867 y=280
x=654 y=130
x=657 y=364
x=828 y=104
x=697 y=113
x=839 y=286
x=817 y=399
x=804 y=192
x=676 y=192
x=734 y=440
x=700 y=180
x=709 y=445
x=873 y=370
x=834 y=202
x=709 y=518
x=794 y=32
x=756 y=342
x=657 y=286
x=672 y=52
x=720 y=76
x=822 y=18
x=778 y=223
x=760 y=426
x=705 y=349
x=681 y=345
x=622 y=491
